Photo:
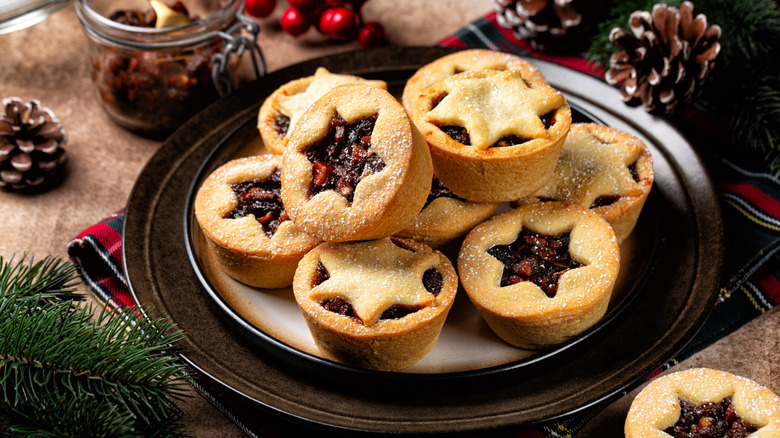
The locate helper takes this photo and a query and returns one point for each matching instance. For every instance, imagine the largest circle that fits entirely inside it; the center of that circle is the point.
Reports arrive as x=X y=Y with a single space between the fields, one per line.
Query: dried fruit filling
x=282 y=125
x=432 y=281
x=439 y=190
x=155 y=91
x=263 y=200
x=535 y=257
x=343 y=157
x=709 y=420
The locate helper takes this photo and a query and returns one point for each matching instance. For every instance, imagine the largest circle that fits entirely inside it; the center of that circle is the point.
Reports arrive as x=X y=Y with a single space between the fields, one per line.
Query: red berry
x=335 y=3
x=339 y=23
x=303 y=5
x=372 y=34
x=295 y=22
x=260 y=8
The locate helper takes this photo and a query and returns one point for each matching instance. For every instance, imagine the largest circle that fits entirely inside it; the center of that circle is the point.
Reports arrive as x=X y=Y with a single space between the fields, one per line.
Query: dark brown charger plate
x=672 y=295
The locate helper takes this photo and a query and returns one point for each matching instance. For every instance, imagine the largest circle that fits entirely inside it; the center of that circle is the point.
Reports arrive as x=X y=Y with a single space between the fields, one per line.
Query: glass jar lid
x=18 y=14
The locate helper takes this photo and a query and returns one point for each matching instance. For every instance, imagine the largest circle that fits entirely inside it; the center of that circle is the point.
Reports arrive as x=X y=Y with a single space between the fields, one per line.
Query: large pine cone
x=548 y=25
x=31 y=141
x=665 y=59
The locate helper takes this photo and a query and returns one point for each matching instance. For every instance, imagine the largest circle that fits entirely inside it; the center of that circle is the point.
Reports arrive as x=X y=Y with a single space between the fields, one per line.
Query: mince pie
x=378 y=304
x=540 y=274
x=240 y=210
x=494 y=135
x=355 y=168
x=281 y=110
x=446 y=217
x=459 y=62
x=702 y=402
x=604 y=169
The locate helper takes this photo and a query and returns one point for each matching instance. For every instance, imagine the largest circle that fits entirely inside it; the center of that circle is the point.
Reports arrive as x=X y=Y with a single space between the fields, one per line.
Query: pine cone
x=668 y=56
x=31 y=141
x=548 y=25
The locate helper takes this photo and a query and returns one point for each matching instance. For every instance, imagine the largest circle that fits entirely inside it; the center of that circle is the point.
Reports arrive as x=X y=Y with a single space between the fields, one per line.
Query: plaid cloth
x=751 y=281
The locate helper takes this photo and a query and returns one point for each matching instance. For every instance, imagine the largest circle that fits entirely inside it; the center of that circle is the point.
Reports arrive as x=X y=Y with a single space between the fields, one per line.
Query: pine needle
x=67 y=372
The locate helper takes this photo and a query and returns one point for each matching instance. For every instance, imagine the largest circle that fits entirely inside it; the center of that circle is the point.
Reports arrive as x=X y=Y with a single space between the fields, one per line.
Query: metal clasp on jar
x=236 y=43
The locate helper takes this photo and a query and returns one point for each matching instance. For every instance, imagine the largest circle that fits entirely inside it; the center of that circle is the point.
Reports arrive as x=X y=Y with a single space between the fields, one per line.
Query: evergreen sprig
x=742 y=92
x=67 y=372
x=49 y=279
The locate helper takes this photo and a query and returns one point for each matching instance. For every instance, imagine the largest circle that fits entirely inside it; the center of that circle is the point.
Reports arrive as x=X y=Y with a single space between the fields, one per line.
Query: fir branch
x=67 y=372
x=751 y=30
x=49 y=279
x=754 y=119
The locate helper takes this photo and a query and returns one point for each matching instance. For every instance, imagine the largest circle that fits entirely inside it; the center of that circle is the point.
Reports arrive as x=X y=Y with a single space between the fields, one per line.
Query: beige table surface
x=48 y=62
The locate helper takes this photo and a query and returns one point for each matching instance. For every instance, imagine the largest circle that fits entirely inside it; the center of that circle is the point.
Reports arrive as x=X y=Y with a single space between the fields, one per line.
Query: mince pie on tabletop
x=355 y=167
x=494 y=135
x=378 y=304
x=605 y=169
x=283 y=107
x=459 y=62
x=446 y=217
x=702 y=402
x=541 y=273
x=240 y=211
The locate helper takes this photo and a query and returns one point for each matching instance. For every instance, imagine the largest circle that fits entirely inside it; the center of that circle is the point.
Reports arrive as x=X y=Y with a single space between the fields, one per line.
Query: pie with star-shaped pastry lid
x=540 y=274
x=605 y=169
x=281 y=110
x=462 y=61
x=702 y=402
x=240 y=211
x=494 y=135
x=355 y=168
x=378 y=304
x=446 y=217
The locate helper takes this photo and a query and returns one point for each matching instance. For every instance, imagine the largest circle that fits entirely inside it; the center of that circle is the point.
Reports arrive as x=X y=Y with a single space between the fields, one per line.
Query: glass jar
x=152 y=80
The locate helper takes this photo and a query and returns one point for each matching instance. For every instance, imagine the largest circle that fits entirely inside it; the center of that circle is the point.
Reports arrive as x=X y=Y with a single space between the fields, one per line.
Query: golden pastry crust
x=458 y=62
x=384 y=202
x=240 y=245
x=446 y=219
x=657 y=406
x=292 y=98
x=593 y=165
x=373 y=276
x=493 y=105
x=522 y=314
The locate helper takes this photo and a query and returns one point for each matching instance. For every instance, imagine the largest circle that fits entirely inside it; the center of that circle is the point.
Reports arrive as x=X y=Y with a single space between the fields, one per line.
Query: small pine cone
x=31 y=141
x=548 y=25
x=667 y=57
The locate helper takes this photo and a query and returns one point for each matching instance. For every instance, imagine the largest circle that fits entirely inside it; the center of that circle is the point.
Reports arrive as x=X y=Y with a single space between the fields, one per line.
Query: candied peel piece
x=344 y=157
x=535 y=257
x=263 y=200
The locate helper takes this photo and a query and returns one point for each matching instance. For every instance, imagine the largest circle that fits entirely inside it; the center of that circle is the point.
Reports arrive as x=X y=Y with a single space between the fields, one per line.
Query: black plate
x=264 y=320
x=670 y=304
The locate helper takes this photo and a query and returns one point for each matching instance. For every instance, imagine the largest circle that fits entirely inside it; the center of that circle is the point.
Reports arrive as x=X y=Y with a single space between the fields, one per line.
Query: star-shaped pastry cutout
x=495 y=104
x=294 y=105
x=588 y=169
x=373 y=276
